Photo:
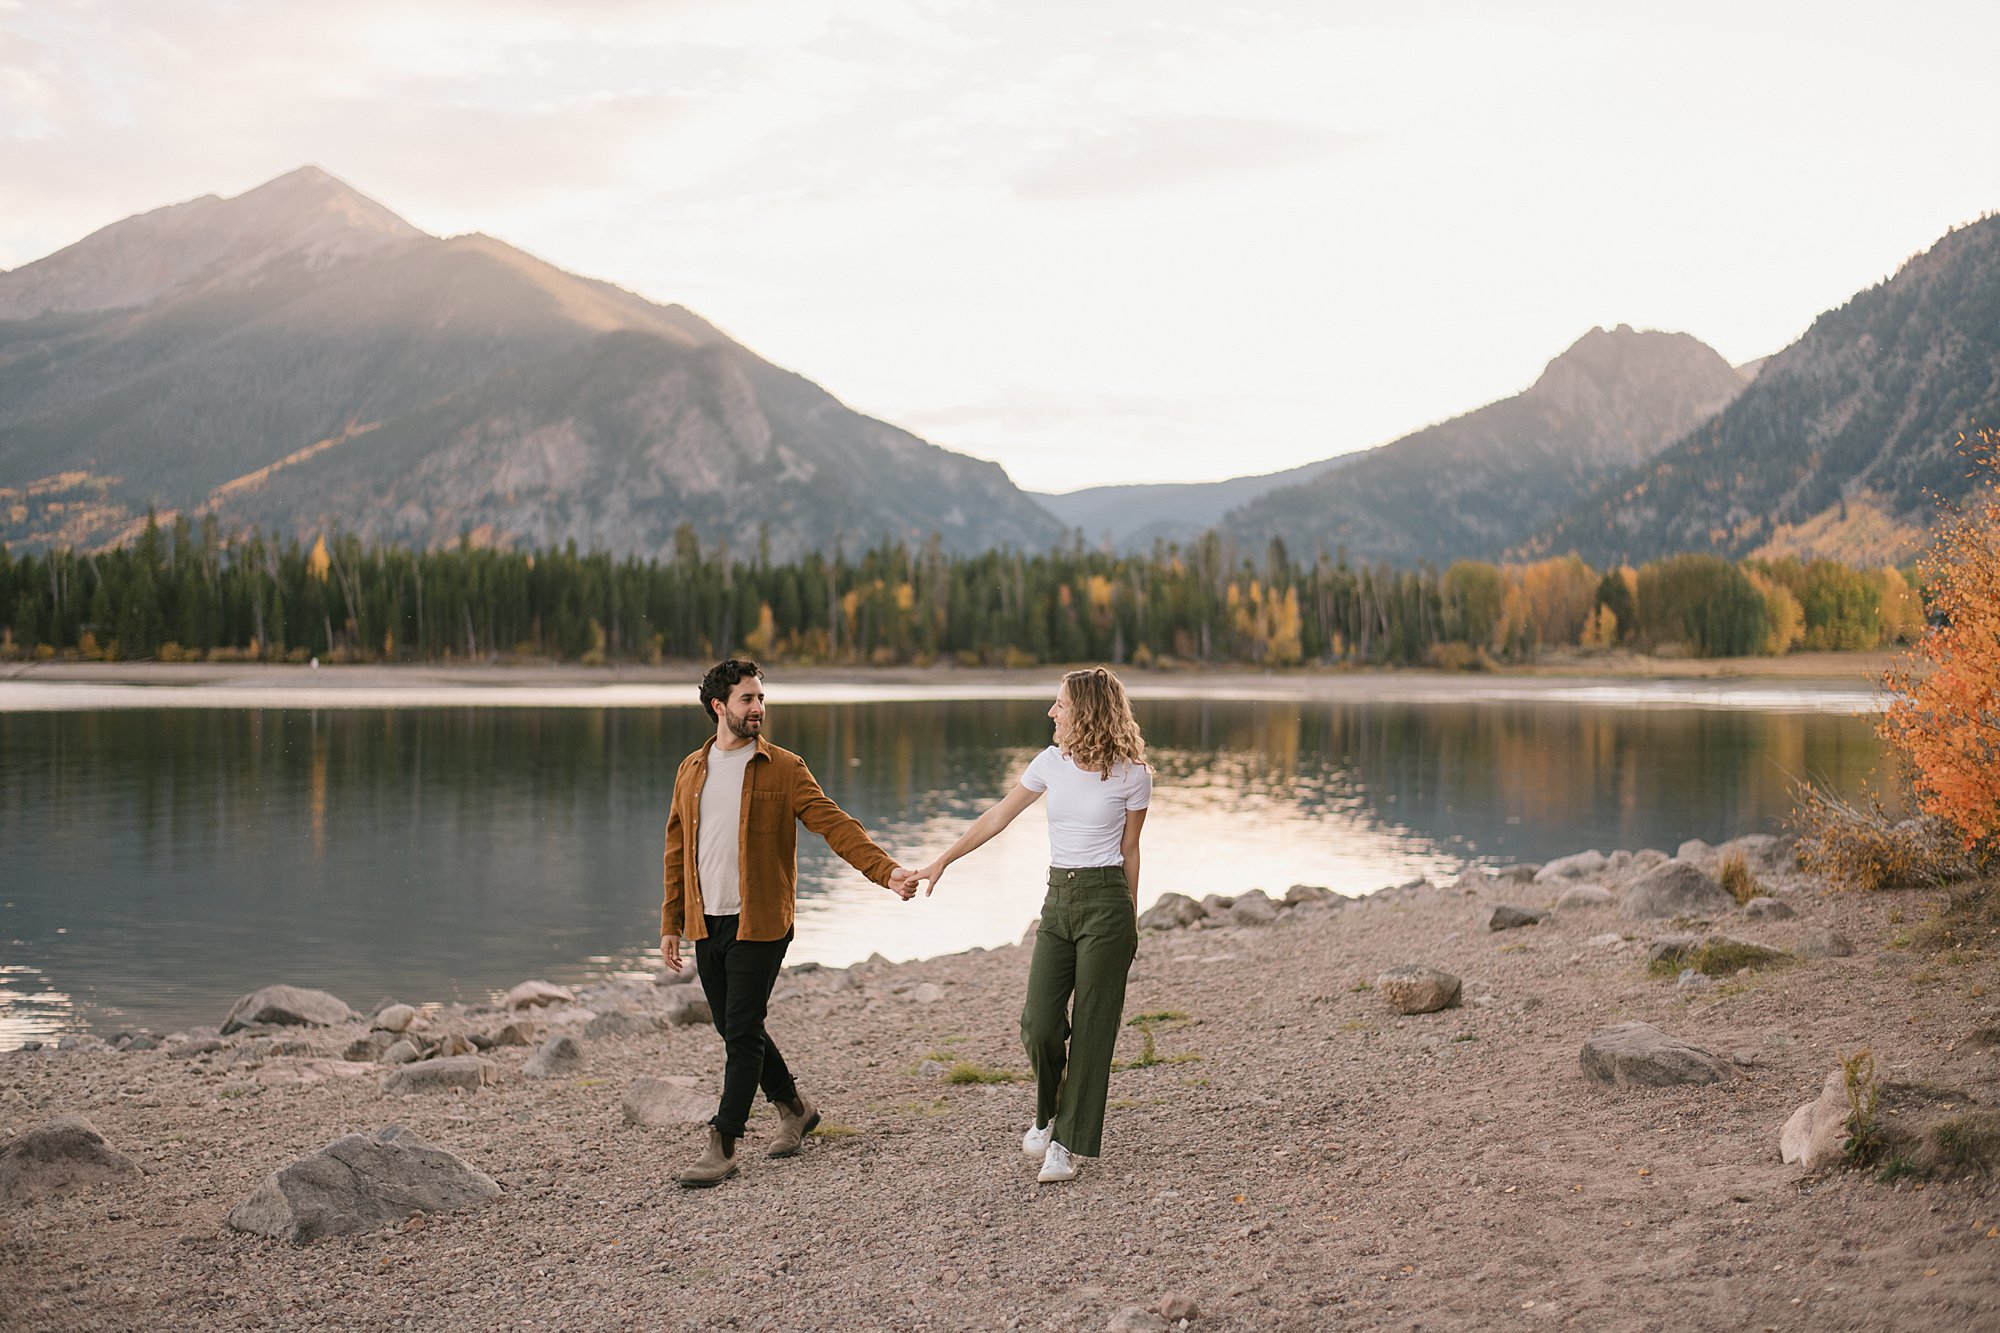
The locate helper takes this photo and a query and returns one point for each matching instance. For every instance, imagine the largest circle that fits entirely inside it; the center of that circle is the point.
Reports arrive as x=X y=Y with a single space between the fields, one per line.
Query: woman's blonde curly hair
x=1102 y=732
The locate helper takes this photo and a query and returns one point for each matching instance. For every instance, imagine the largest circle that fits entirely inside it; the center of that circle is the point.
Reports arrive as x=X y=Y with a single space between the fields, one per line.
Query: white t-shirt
x=1087 y=810
x=721 y=825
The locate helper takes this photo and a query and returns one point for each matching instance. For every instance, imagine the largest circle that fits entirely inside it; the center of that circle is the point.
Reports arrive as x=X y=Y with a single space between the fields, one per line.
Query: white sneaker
x=1035 y=1143
x=1057 y=1165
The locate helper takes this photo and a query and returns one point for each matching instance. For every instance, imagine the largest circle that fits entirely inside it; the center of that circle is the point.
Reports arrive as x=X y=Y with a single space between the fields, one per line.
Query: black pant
x=737 y=976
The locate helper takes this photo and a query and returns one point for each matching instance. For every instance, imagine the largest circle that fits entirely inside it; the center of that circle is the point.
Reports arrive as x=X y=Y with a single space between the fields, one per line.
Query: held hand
x=670 y=951
x=902 y=883
x=930 y=875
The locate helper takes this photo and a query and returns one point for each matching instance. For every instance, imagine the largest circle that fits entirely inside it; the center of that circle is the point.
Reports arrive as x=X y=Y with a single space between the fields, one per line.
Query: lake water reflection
x=158 y=863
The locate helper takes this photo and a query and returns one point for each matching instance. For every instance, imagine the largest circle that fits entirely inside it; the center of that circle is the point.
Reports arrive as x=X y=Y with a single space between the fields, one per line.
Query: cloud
x=1161 y=153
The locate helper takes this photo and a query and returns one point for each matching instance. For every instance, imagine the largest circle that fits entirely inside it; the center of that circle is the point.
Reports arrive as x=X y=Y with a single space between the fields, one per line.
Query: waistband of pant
x=1071 y=879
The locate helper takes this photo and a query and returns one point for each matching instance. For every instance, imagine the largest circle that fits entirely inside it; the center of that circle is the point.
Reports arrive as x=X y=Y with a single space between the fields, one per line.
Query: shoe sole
x=792 y=1151
x=1055 y=1180
x=701 y=1183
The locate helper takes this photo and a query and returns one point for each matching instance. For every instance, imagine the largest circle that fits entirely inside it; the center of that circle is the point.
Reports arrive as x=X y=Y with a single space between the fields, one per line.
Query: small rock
x=1177 y=1305
x=927 y=993
x=532 y=994
x=1691 y=980
x=1676 y=889
x=1768 y=909
x=288 y=1006
x=621 y=1023
x=142 y=1042
x=395 y=1018
x=451 y=1044
x=1171 y=912
x=1609 y=940
x=689 y=1010
x=1824 y=942
x=465 y=1071
x=1580 y=866
x=1640 y=1055
x=1671 y=950
x=60 y=1155
x=1216 y=906
x=1254 y=908
x=360 y=1183
x=557 y=1057
x=1505 y=917
x=1583 y=897
x=369 y=1047
x=1135 y=1319
x=933 y=1069
x=1309 y=893
x=400 y=1052
x=668 y=977
x=658 y=1102
x=514 y=1034
x=1412 y=988
x=1522 y=873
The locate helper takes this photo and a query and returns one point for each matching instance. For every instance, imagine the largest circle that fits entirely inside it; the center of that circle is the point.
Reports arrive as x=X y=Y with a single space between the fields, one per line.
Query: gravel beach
x=1284 y=1150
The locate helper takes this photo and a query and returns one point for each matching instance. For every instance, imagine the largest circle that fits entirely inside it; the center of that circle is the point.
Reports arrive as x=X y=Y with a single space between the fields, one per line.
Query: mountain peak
x=308 y=214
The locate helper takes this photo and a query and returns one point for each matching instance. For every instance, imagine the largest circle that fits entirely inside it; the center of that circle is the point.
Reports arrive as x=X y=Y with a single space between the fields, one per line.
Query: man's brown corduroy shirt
x=779 y=794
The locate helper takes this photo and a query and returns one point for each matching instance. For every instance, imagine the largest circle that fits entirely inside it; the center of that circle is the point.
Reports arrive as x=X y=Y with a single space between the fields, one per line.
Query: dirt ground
x=1296 y=1156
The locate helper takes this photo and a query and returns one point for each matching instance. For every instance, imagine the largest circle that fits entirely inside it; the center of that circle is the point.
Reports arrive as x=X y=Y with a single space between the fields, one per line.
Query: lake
x=161 y=855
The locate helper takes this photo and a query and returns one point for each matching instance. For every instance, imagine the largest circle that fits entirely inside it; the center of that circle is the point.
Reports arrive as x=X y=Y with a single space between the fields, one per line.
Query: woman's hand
x=931 y=874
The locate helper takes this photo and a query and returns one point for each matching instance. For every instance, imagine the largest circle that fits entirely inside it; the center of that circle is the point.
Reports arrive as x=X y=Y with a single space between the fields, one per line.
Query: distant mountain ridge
x=1474 y=486
x=1865 y=409
x=1132 y=517
x=300 y=358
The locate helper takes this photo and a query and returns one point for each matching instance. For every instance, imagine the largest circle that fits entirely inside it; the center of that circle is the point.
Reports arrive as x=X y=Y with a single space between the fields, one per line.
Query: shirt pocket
x=769 y=811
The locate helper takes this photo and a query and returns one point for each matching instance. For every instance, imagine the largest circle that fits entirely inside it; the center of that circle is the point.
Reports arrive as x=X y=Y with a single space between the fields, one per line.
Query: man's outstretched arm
x=849 y=841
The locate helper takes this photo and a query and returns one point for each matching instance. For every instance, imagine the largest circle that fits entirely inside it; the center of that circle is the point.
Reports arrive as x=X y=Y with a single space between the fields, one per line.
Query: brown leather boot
x=792 y=1129
x=716 y=1164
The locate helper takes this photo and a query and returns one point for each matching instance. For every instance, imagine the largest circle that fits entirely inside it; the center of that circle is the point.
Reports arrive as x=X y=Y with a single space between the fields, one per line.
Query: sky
x=1095 y=241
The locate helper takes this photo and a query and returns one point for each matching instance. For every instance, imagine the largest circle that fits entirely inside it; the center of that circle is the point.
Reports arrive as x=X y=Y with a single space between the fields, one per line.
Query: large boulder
x=63 y=1154
x=467 y=1072
x=287 y=1006
x=690 y=1008
x=1300 y=894
x=1676 y=889
x=1171 y=912
x=1824 y=942
x=359 y=1183
x=394 y=1018
x=1411 y=988
x=1505 y=917
x=1640 y=1055
x=674 y=1100
x=1583 y=897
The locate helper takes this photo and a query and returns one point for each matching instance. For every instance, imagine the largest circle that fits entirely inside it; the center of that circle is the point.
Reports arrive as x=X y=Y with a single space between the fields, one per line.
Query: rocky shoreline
x=1600 y=1093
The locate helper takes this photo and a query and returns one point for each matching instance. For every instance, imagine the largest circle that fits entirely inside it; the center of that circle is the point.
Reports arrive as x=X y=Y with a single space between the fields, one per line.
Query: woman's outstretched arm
x=1128 y=847
x=997 y=817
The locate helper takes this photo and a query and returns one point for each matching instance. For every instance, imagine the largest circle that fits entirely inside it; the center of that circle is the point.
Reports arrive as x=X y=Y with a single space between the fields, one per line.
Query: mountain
x=1478 y=484
x=1859 y=417
x=300 y=358
x=1131 y=518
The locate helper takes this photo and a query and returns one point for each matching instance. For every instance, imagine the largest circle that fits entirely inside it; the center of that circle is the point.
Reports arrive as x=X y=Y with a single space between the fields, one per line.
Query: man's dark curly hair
x=723 y=677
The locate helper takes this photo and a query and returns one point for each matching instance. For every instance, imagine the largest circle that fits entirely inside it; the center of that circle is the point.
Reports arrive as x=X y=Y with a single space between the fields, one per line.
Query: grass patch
x=1966 y=925
x=1465 y=1036
x=1718 y=957
x=1197 y=1081
x=970 y=1072
x=1968 y=1144
x=1736 y=877
x=1356 y=1025
x=231 y=1094
x=1146 y=1023
x=1360 y=986
x=1120 y=1104
x=827 y=1129
x=927 y=1110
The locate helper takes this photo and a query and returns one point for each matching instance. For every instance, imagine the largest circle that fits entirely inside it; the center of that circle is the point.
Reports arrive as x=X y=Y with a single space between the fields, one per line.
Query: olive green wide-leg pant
x=1083 y=948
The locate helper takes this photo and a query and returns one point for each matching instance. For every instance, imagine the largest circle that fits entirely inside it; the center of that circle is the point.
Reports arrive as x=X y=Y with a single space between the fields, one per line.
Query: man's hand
x=670 y=951
x=902 y=883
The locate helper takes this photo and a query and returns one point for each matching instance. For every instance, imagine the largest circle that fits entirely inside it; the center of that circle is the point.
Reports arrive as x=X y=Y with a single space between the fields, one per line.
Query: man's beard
x=746 y=730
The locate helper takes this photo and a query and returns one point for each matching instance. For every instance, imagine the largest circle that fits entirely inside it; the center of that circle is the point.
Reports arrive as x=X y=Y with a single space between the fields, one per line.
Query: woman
x=1099 y=788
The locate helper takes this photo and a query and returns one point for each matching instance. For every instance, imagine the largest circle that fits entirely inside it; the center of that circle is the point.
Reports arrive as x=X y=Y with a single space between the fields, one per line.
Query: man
x=730 y=877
